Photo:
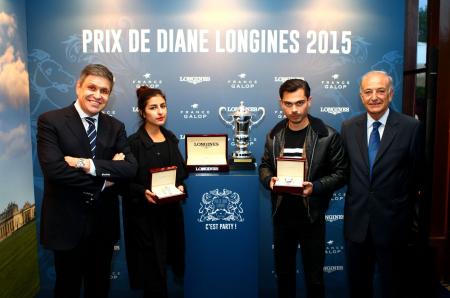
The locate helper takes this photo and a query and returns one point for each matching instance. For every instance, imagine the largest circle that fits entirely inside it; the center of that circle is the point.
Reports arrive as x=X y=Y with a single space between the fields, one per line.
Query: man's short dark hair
x=97 y=70
x=293 y=85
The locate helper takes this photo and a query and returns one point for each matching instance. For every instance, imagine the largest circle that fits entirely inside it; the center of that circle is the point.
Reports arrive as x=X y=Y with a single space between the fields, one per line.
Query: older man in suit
x=82 y=152
x=385 y=151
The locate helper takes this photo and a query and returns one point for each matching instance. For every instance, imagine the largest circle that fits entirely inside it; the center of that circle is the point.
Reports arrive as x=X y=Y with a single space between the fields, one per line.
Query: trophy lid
x=242 y=111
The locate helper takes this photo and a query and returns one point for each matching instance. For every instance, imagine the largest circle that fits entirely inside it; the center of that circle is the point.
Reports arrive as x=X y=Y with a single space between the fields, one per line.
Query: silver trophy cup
x=242 y=121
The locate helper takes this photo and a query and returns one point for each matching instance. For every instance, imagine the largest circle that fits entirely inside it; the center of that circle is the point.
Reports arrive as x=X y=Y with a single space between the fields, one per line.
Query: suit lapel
x=101 y=136
x=388 y=135
x=75 y=125
x=361 y=138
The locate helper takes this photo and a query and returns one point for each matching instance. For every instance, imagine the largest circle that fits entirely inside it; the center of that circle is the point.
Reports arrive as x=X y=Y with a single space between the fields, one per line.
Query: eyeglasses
x=379 y=92
x=298 y=104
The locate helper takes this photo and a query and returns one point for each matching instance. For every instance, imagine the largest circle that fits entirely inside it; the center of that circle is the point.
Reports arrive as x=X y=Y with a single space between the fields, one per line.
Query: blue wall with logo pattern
x=207 y=55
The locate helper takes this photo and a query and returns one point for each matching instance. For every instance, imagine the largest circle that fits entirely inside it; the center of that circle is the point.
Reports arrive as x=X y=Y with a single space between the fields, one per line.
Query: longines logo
x=279 y=114
x=208 y=169
x=206 y=144
x=335 y=83
x=148 y=81
x=242 y=82
x=195 y=80
x=334 y=110
x=234 y=109
x=338 y=196
x=332 y=249
x=284 y=79
x=331 y=269
x=194 y=112
x=221 y=210
x=334 y=217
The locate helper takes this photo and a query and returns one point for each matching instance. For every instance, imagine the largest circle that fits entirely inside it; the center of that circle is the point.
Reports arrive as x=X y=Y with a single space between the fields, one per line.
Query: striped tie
x=92 y=134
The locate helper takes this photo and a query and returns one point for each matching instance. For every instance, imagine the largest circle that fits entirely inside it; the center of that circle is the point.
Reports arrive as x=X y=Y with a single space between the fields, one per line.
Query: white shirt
x=86 y=125
x=84 y=115
x=370 y=122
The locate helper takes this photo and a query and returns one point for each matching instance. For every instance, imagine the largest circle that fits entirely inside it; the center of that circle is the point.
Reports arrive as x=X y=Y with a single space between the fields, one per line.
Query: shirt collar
x=382 y=120
x=82 y=113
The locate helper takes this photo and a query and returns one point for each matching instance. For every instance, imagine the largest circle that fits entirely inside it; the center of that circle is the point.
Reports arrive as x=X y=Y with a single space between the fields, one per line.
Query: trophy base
x=242 y=163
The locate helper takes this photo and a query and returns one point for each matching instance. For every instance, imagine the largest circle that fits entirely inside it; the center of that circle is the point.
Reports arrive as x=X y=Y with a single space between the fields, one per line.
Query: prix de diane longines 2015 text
x=219 y=41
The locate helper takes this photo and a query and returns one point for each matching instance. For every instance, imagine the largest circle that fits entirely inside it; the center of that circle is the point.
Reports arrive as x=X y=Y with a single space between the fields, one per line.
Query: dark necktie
x=92 y=134
x=374 y=144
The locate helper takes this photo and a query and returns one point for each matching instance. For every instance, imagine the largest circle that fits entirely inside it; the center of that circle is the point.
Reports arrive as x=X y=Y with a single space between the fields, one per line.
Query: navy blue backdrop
x=206 y=56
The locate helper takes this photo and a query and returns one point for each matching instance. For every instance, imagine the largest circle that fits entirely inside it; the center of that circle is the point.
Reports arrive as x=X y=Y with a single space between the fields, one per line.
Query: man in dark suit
x=82 y=152
x=385 y=151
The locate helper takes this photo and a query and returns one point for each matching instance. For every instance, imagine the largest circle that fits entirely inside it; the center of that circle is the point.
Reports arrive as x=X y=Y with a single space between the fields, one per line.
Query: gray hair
x=381 y=72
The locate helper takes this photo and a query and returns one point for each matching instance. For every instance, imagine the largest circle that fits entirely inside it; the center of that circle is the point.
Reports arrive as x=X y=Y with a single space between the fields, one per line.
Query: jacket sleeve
x=134 y=190
x=112 y=169
x=51 y=159
x=339 y=169
x=267 y=168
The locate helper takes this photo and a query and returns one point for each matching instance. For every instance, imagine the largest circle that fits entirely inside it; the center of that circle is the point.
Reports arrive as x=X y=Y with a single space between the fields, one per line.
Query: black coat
x=327 y=164
x=71 y=196
x=158 y=229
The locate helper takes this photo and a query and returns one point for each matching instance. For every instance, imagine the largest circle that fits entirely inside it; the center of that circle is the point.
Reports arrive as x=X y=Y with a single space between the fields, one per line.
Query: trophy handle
x=263 y=112
x=227 y=122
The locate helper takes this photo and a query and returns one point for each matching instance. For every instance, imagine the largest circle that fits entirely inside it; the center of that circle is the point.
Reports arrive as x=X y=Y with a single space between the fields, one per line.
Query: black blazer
x=155 y=228
x=385 y=202
x=72 y=197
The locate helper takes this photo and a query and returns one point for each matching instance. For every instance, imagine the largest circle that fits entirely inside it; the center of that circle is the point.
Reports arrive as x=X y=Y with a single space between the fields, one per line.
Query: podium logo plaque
x=225 y=205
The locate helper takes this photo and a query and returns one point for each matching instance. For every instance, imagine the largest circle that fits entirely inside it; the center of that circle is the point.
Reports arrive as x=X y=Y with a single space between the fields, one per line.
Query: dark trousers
x=311 y=237
x=155 y=277
x=361 y=260
x=88 y=264
x=160 y=244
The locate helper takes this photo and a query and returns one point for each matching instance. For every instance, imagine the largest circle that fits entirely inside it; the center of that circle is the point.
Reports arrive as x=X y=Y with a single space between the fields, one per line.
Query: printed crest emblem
x=221 y=205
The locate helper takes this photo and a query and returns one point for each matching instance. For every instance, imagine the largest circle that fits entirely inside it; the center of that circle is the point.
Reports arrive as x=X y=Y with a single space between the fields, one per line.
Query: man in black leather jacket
x=300 y=219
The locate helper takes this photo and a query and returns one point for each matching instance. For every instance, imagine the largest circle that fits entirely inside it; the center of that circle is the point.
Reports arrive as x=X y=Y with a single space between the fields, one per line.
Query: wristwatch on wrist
x=80 y=163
